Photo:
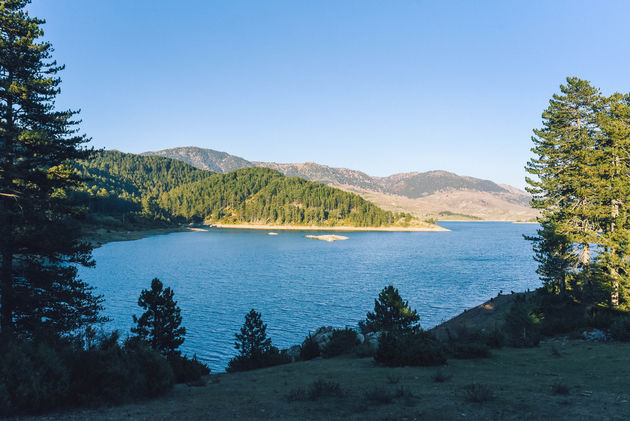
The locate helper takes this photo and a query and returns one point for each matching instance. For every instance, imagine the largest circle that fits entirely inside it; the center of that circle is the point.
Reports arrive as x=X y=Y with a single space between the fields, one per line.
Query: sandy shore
x=320 y=228
x=101 y=236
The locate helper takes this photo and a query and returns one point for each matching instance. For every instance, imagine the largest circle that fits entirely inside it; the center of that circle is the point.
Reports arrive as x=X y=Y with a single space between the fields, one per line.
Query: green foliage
x=316 y=390
x=478 y=393
x=160 y=324
x=581 y=181
x=136 y=189
x=522 y=324
x=408 y=348
x=39 y=247
x=33 y=376
x=187 y=370
x=309 y=349
x=390 y=314
x=378 y=396
x=255 y=347
x=342 y=341
x=620 y=329
x=37 y=376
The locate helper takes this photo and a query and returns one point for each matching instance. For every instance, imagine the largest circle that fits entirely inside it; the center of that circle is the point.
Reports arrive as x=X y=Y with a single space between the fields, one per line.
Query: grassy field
x=560 y=379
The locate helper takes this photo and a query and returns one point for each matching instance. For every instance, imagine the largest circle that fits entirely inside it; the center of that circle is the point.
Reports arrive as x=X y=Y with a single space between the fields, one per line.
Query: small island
x=327 y=237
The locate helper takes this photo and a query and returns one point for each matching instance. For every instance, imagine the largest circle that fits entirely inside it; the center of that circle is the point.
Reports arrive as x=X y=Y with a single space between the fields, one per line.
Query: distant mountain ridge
x=427 y=194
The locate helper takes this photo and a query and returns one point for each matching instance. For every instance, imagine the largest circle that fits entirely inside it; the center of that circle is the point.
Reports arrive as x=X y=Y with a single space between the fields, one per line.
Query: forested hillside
x=127 y=188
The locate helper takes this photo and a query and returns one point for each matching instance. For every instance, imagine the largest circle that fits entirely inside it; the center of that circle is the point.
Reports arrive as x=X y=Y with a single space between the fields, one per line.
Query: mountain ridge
x=435 y=193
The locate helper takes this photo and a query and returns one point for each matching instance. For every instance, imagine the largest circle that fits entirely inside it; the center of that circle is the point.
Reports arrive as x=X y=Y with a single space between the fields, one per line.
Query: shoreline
x=103 y=236
x=321 y=228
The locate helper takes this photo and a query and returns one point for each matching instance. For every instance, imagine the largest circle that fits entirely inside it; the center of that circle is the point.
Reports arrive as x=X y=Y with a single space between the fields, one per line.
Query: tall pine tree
x=611 y=181
x=561 y=188
x=39 y=247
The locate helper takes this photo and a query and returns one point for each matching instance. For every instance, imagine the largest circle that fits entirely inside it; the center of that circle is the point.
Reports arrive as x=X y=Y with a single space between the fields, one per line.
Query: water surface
x=300 y=284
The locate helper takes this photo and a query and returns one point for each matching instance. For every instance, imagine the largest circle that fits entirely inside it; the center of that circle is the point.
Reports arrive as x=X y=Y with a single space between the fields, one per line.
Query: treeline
x=581 y=184
x=130 y=187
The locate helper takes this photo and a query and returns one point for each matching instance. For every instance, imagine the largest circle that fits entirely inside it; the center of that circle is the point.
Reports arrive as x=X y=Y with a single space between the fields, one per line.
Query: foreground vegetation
x=561 y=379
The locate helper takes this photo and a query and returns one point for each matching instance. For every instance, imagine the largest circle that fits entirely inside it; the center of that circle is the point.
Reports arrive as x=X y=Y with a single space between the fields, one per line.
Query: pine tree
x=39 y=247
x=611 y=177
x=252 y=341
x=562 y=189
x=391 y=313
x=160 y=324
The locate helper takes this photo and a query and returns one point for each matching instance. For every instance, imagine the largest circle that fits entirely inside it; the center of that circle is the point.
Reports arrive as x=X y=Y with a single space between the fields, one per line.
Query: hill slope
x=128 y=187
x=430 y=194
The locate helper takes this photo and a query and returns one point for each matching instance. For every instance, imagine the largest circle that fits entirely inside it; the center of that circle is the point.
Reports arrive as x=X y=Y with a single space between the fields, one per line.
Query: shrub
x=187 y=370
x=494 y=338
x=111 y=373
x=440 y=376
x=409 y=348
x=378 y=396
x=522 y=325
x=270 y=358
x=478 y=393
x=620 y=329
x=342 y=341
x=33 y=377
x=318 y=389
x=37 y=376
x=601 y=318
x=309 y=349
x=365 y=350
x=560 y=388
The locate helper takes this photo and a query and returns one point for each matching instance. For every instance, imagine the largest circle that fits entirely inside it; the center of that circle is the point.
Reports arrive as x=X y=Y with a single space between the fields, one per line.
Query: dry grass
x=518 y=379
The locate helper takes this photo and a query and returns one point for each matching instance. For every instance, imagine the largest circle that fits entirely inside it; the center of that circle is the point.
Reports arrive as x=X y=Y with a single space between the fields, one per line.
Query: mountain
x=204 y=159
x=137 y=189
x=429 y=194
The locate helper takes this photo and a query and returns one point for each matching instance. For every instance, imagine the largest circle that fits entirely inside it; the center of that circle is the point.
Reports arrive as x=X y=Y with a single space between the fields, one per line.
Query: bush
x=187 y=370
x=440 y=376
x=378 y=396
x=522 y=324
x=601 y=318
x=37 y=376
x=342 y=341
x=318 y=389
x=309 y=349
x=33 y=378
x=478 y=393
x=494 y=338
x=560 y=388
x=620 y=329
x=270 y=358
x=409 y=348
x=365 y=350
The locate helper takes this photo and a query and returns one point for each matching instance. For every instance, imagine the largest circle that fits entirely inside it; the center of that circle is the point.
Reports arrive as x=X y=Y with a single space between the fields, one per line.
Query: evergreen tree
x=39 y=247
x=252 y=341
x=611 y=181
x=391 y=313
x=255 y=347
x=160 y=324
x=562 y=188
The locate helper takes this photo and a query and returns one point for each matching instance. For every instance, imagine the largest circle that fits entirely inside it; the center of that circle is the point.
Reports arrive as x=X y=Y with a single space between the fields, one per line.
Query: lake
x=300 y=284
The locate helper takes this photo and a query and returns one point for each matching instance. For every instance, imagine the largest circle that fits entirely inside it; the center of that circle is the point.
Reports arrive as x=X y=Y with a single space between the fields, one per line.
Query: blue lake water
x=300 y=284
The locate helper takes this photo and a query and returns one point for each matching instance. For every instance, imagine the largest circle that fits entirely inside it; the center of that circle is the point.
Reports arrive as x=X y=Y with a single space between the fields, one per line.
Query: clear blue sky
x=379 y=86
